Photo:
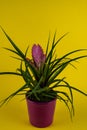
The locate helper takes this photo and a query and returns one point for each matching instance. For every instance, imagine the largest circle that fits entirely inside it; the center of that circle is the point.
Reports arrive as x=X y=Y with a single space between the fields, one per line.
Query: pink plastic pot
x=41 y=113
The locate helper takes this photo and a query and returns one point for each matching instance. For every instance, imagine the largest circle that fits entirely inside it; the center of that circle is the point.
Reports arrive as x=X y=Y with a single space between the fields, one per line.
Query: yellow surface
x=28 y=22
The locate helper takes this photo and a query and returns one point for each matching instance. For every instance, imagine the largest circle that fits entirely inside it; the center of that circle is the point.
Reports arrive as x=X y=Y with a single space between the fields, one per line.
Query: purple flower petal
x=38 y=56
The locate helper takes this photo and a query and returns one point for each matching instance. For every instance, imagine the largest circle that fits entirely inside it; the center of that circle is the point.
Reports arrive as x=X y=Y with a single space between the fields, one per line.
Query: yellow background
x=28 y=22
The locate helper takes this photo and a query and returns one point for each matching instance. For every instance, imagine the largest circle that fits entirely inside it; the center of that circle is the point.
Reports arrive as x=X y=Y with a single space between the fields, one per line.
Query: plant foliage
x=41 y=74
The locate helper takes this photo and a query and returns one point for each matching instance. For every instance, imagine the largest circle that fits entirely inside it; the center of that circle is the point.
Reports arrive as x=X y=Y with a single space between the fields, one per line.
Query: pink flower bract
x=38 y=56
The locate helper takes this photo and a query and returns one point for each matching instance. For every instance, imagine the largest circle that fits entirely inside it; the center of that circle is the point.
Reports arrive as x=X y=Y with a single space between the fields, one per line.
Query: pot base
x=41 y=125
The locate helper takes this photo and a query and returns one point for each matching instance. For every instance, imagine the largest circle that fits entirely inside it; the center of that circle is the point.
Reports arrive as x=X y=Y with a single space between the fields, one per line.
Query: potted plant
x=42 y=83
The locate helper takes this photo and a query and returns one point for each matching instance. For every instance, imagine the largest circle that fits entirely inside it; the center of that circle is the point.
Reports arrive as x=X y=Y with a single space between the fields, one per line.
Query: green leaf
x=71 y=94
x=66 y=103
x=35 y=94
x=12 y=95
x=42 y=90
x=20 y=53
x=12 y=73
x=52 y=48
x=63 y=57
x=70 y=99
x=48 y=95
x=48 y=44
x=54 y=45
x=16 y=58
x=49 y=57
x=57 y=61
x=59 y=70
x=38 y=85
x=10 y=50
x=60 y=39
x=78 y=90
x=30 y=76
x=56 y=81
x=26 y=51
x=26 y=77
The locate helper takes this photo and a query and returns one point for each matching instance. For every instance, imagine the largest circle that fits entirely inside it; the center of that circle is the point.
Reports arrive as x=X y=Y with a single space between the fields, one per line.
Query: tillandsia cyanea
x=41 y=73
x=38 y=56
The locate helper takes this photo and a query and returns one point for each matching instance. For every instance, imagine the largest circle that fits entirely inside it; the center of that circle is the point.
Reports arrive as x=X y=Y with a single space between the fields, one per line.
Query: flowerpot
x=41 y=113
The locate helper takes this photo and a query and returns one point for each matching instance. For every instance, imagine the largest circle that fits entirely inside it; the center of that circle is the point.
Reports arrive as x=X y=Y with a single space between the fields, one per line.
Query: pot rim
x=40 y=102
